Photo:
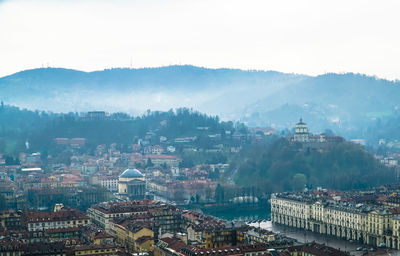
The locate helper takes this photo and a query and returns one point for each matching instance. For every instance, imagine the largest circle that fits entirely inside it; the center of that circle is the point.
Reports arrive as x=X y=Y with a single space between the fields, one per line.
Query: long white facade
x=371 y=225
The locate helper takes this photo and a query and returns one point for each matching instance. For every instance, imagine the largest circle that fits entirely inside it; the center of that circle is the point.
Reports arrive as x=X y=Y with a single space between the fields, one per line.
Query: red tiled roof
x=62 y=215
x=160 y=156
x=318 y=250
x=394 y=210
x=62 y=230
x=95 y=246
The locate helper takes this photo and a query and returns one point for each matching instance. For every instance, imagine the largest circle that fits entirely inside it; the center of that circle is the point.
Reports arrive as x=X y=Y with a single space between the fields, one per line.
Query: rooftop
x=131 y=173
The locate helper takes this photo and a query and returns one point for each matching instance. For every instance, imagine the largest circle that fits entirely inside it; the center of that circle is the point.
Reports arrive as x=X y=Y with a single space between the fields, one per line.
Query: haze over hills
x=344 y=103
x=136 y=90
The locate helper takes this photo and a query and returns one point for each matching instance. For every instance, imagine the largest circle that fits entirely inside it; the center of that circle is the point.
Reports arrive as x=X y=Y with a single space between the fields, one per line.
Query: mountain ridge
x=341 y=102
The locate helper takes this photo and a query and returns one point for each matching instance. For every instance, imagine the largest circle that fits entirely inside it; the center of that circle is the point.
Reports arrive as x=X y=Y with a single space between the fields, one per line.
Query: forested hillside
x=283 y=166
x=40 y=128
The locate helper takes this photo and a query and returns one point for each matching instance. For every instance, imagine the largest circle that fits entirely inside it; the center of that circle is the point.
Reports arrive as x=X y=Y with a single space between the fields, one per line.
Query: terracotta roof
x=318 y=250
x=94 y=247
x=160 y=156
x=102 y=234
x=61 y=230
x=394 y=210
x=62 y=215
x=125 y=207
x=174 y=243
x=227 y=250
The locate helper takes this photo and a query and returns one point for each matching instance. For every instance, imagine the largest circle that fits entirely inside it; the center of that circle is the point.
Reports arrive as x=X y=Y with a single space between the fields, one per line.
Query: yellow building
x=212 y=235
x=106 y=249
x=103 y=238
x=254 y=236
x=11 y=248
x=92 y=235
x=144 y=244
x=134 y=236
x=219 y=237
x=10 y=219
x=103 y=213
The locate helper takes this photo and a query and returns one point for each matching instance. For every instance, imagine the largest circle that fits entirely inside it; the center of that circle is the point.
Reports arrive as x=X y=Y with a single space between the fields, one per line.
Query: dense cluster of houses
x=138 y=228
x=72 y=172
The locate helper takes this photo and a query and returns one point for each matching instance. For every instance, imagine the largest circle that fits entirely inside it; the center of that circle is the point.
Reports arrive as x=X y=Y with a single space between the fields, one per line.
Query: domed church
x=132 y=184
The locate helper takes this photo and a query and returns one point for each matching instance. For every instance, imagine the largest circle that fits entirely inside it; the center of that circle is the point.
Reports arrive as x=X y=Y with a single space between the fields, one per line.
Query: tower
x=301 y=132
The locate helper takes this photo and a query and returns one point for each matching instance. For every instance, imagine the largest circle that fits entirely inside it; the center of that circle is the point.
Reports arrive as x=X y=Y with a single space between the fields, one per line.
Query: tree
x=219 y=194
x=299 y=181
x=186 y=163
x=214 y=175
x=3 y=205
x=11 y=160
x=283 y=166
x=149 y=163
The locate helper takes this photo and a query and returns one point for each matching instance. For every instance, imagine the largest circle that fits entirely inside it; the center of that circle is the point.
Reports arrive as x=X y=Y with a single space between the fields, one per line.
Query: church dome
x=131 y=173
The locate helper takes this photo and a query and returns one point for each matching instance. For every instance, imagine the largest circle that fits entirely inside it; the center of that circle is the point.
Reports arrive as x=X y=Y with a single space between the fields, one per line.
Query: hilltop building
x=301 y=132
x=308 y=140
x=96 y=115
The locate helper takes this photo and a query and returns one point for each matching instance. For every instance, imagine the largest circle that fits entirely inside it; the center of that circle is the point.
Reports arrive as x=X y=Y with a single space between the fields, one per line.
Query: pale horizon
x=204 y=67
x=301 y=37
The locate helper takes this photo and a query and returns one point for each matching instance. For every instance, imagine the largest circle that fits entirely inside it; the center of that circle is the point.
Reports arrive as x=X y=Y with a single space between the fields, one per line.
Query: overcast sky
x=299 y=36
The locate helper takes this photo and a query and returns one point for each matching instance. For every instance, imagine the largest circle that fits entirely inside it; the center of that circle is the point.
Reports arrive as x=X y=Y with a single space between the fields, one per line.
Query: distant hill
x=345 y=103
x=136 y=90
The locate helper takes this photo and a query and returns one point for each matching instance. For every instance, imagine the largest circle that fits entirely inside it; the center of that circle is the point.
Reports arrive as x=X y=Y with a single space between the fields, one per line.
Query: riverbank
x=234 y=211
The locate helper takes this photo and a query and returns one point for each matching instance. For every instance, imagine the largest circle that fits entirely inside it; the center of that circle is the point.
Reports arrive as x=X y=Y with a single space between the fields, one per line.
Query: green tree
x=149 y=163
x=219 y=194
x=299 y=181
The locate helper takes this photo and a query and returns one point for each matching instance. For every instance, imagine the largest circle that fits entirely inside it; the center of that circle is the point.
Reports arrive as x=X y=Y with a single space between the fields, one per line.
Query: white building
x=109 y=182
x=132 y=184
x=301 y=132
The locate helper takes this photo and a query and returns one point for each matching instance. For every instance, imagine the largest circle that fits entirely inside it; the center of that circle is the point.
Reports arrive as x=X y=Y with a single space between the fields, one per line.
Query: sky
x=295 y=36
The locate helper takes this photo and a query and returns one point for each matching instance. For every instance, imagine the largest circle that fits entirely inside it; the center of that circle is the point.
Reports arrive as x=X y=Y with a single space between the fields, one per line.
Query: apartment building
x=370 y=224
x=65 y=218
